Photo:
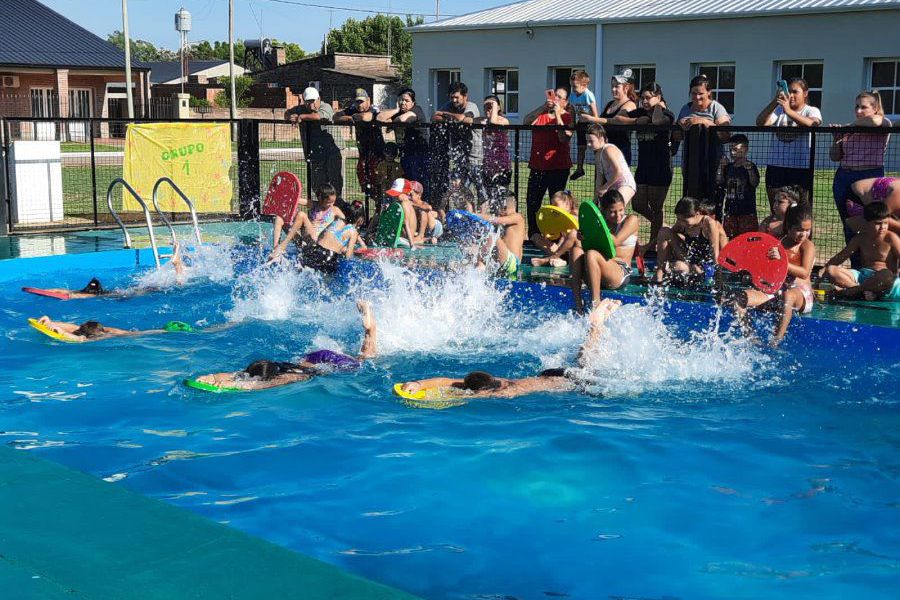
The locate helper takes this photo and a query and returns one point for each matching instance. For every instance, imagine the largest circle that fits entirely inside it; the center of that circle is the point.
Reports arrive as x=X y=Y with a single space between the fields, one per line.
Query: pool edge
x=71 y=534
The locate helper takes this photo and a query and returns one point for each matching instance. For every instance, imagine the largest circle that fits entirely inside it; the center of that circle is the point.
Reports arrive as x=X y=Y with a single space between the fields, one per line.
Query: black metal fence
x=448 y=161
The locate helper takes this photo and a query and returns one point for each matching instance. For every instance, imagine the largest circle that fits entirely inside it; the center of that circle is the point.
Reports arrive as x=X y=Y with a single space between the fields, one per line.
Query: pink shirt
x=864 y=149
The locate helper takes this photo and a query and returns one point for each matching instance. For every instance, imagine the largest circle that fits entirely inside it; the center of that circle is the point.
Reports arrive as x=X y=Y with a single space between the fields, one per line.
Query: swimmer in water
x=95 y=289
x=479 y=384
x=264 y=374
x=92 y=331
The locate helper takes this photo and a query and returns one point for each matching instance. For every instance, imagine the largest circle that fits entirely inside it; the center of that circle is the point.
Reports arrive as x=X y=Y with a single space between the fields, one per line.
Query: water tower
x=182 y=26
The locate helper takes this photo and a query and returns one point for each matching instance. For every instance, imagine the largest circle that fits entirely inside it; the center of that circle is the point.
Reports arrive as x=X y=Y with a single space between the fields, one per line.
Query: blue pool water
x=698 y=466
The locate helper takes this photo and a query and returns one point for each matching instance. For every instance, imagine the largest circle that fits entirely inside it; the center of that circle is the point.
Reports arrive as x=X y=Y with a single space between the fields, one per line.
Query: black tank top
x=619 y=139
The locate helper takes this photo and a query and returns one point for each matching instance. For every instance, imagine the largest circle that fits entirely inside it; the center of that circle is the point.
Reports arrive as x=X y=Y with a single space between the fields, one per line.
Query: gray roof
x=555 y=12
x=32 y=35
x=163 y=71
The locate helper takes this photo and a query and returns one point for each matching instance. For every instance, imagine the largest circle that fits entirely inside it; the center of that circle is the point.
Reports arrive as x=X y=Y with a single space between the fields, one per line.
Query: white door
x=80 y=107
x=44 y=105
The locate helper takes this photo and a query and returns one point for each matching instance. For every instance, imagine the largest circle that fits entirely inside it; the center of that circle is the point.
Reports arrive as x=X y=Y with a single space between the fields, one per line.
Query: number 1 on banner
x=186 y=168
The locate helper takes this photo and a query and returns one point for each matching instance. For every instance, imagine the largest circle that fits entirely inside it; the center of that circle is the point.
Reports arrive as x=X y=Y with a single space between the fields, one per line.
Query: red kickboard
x=47 y=293
x=373 y=253
x=750 y=252
x=283 y=196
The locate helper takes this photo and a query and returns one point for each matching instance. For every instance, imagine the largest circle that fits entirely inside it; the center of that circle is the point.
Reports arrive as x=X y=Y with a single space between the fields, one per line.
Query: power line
x=359 y=10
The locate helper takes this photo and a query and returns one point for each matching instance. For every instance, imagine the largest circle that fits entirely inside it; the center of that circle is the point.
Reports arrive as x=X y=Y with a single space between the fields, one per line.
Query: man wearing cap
x=369 y=139
x=321 y=152
x=401 y=191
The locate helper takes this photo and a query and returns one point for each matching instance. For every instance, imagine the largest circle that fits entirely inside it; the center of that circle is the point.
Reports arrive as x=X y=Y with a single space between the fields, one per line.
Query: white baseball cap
x=400 y=186
x=310 y=93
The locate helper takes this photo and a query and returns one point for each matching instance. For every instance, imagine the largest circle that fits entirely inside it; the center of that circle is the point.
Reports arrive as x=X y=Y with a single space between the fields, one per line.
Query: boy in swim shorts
x=879 y=250
x=507 y=251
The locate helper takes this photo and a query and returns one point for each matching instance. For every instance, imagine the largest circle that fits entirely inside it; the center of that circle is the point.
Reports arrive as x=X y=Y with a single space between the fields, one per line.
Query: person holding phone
x=550 y=159
x=789 y=152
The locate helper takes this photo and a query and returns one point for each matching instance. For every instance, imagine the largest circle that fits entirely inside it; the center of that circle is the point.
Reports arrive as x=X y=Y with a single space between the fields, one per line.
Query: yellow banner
x=196 y=156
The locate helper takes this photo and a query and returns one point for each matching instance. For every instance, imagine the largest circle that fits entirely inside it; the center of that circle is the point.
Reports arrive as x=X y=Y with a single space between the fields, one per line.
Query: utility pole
x=128 y=92
x=437 y=9
x=231 y=57
x=389 y=17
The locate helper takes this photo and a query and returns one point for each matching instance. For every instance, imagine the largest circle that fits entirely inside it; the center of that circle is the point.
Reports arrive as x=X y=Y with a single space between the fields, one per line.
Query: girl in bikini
x=796 y=295
x=602 y=273
x=686 y=247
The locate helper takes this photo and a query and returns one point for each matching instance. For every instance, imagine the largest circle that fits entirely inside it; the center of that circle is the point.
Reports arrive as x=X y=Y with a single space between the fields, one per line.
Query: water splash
x=210 y=262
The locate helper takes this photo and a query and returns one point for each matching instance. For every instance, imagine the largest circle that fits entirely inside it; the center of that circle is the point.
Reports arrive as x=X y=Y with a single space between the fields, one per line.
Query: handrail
x=187 y=201
x=112 y=211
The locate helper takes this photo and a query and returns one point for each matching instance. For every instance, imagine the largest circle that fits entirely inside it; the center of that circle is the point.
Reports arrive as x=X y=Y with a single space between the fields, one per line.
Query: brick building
x=52 y=67
x=337 y=75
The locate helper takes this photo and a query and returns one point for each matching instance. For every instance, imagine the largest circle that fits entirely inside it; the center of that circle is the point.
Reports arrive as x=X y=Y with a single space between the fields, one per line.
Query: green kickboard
x=389 y=226
x=208 y=387
x=595 y=233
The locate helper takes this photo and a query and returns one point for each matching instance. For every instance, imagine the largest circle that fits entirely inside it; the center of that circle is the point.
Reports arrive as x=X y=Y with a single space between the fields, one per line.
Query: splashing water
x=211 y=262
x=279 y=292
x=638 y=352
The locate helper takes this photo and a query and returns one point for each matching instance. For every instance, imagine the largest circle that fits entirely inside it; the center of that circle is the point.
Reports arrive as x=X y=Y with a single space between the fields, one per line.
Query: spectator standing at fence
x=789 y=152
x=496 y=169
x=654 y=171
x=464 y=145
x=624 y=100
x=550 y=159
x=411 y=135
x=739 y=178
x=611 y=172
x=319 y=149
x=369 y=139
x=584 y=105
x=861 y=156
x=703 y=111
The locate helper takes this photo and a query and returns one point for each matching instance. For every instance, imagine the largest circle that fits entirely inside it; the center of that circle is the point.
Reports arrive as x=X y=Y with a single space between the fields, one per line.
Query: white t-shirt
x=791 y=149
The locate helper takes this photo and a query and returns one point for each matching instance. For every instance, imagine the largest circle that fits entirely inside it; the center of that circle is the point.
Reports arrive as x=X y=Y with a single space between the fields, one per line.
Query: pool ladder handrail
x=174 y=186
x=136 y=196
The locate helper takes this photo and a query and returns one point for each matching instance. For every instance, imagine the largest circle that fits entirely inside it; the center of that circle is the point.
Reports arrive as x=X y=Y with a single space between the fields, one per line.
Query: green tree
x=370 y=36
x=140 y=49
x=242 y=85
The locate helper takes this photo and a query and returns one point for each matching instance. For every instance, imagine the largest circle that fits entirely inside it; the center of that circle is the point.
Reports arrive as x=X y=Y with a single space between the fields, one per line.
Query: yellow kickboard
x=554 y=222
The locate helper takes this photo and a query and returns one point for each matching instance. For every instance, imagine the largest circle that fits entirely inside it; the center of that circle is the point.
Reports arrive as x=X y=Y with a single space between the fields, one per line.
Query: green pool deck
x=66 y=534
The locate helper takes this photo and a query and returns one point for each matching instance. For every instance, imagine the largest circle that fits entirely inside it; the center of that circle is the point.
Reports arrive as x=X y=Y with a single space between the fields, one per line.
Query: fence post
x=93 y=171
x=5 y=213
x=812 y=168
x=516 y=167
x=248 y=169
x=694 y=162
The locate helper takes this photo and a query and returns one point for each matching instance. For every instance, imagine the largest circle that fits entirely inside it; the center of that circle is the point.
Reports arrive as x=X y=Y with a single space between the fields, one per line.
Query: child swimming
x=92 y=331
x=265 y=374
x=479 y=384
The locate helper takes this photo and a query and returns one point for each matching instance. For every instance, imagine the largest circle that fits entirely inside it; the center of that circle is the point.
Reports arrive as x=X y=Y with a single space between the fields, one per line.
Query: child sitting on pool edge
x=556 y=249
x=879 y=250
x=784 y=198
x=796 y=295
x=686 y=248
x=507 y=250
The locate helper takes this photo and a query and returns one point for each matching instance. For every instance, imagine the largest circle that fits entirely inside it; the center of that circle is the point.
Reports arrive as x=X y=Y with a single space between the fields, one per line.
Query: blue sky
x=154 y=20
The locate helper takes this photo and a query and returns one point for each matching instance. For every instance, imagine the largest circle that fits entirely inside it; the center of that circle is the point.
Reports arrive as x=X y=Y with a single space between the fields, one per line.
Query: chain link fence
x=455 y=162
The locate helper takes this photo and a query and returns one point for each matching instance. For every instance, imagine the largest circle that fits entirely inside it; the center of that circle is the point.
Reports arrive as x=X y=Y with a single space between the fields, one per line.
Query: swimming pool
x=700 y=466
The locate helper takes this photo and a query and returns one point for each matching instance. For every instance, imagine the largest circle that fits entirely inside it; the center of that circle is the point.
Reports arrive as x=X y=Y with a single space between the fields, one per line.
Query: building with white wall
x=519 y=50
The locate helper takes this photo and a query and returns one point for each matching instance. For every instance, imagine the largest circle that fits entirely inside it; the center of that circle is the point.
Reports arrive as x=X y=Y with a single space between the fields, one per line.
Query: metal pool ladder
x=136 y=196
x=187 y=201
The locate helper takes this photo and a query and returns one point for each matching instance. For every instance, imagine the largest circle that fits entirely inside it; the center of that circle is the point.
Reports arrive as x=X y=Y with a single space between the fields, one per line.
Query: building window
x=641 y=75
x=561 y=77
x=505 y=84
x=44 y=103
x=721 y=83
x=811 y=72
x=440 y=84
x=884 y=76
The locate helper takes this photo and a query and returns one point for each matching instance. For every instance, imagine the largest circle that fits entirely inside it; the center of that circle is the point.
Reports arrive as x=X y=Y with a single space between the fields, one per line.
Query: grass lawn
x=84 y=147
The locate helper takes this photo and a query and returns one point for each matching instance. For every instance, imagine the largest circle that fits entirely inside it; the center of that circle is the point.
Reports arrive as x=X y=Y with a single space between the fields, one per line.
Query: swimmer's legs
x=598 y=316
x=369 y=347
x=576 y=266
